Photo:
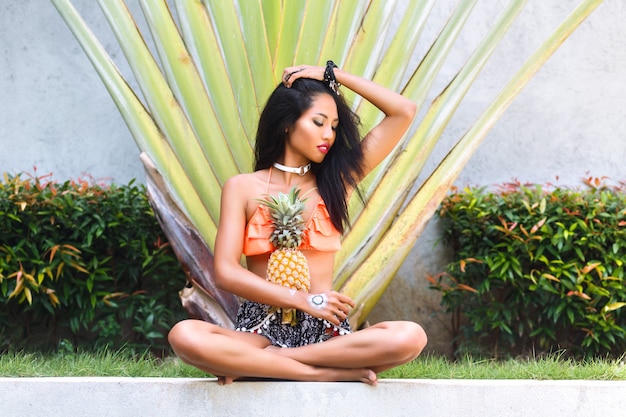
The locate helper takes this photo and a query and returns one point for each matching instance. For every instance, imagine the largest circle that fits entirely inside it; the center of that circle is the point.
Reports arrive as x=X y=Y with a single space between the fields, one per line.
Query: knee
x=181 y=337
x=409 y=341
x=177 y=333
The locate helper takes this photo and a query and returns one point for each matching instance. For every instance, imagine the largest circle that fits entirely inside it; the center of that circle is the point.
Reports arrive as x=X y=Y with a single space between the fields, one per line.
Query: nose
x=329 y=133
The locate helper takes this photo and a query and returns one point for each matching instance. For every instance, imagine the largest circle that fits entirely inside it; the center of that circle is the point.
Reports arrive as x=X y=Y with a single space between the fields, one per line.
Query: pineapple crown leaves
x=286 y=213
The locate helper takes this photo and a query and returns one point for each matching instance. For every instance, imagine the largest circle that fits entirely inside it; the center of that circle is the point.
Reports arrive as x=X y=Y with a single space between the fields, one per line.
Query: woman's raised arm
x=399 y=111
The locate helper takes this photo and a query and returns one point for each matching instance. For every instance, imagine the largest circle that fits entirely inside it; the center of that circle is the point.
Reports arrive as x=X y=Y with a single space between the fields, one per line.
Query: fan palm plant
x=217 y=61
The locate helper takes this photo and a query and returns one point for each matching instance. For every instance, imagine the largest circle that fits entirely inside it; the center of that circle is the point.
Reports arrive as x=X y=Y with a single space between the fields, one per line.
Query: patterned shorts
x=264 y=320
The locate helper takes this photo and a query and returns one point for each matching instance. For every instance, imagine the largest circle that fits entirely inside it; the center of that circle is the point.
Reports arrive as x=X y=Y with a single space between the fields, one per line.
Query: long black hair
x=342 y=167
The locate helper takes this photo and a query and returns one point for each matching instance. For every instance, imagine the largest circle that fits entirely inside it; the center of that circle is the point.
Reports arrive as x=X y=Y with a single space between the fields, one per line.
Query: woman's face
x=313 y=134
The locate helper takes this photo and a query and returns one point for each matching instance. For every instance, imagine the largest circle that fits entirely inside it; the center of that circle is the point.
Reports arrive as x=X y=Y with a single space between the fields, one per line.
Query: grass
x=123 y=364
x=105 y=363
x=552 y=367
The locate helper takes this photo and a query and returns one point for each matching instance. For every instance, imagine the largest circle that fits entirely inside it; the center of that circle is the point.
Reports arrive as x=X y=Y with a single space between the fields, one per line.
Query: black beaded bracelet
x=329 y=76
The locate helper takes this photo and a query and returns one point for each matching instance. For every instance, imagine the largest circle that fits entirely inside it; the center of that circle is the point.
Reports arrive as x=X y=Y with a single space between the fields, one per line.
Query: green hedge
x=537 y=269
x=86 y=264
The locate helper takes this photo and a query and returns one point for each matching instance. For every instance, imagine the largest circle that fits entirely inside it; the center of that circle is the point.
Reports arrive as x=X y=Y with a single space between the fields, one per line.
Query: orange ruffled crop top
x=319 y=233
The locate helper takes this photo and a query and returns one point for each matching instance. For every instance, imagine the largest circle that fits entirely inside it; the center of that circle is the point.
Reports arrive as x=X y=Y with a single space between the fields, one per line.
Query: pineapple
x=287 y=266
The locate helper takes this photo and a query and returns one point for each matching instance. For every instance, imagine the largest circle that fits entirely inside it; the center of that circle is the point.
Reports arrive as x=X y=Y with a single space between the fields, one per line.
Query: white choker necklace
x=299 y=170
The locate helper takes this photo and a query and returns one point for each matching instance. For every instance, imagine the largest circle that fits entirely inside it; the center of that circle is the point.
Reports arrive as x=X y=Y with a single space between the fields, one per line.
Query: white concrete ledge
x=172 y=397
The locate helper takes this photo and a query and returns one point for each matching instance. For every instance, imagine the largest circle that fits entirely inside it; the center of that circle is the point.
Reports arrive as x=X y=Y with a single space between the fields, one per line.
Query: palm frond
x=219 y=60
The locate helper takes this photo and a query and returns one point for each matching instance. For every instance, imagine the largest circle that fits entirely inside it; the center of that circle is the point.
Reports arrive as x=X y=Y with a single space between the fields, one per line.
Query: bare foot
x=337 y=374
x=364 y=375
x=372 y=378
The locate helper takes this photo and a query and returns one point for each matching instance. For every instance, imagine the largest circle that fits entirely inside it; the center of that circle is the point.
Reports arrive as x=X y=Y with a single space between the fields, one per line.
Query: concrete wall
x=190 y=397
x=56 y=115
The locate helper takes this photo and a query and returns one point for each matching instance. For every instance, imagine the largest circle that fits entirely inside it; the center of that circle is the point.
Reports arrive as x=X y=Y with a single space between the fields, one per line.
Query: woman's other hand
x=331 y=306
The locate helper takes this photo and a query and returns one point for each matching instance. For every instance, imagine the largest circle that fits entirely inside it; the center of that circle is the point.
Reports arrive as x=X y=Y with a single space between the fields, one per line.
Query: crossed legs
x=354 y=357
x=379 y=347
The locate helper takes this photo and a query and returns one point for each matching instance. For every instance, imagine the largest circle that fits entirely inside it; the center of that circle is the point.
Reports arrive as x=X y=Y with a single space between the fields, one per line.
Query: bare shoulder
x=246 y=186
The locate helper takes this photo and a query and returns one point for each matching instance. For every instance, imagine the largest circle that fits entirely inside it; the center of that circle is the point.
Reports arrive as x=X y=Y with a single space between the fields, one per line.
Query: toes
x=225 y=380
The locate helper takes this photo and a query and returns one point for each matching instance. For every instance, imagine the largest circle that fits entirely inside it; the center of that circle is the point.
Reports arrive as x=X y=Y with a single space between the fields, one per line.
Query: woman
x=307 y=138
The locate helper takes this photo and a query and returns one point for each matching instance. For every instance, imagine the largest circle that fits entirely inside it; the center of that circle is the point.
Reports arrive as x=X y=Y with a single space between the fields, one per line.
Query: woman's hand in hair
x=290 y=74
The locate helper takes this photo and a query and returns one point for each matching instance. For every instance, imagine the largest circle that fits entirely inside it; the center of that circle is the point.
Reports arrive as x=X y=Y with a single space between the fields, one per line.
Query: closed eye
x=320 y=124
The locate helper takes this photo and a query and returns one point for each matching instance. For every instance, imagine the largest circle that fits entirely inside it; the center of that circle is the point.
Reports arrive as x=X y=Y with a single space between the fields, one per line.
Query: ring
x=318 y=301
